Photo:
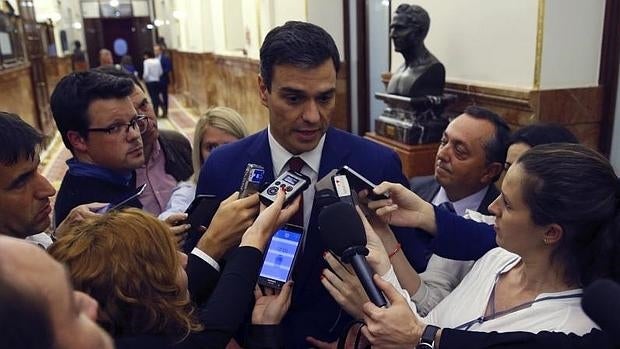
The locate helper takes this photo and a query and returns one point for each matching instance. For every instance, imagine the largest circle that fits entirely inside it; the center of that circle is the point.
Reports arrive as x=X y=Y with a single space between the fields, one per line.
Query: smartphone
x=292 y=182
x=359 y=183
x=252 y=180
x=280 y=256
x=201 y=210
x=123 y=201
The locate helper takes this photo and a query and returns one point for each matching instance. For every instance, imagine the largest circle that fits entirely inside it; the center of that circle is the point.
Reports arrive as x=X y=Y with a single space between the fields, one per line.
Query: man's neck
x=416 y=55
x=456 y=194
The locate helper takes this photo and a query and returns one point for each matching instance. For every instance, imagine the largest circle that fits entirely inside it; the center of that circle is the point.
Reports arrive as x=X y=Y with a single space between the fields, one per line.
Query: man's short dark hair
x=25 y=321
x=416 y=16
x=18 y=140
x=538 y=134
x=119 y=72
x=74 y=94
x=497 y=146
x=303 y=45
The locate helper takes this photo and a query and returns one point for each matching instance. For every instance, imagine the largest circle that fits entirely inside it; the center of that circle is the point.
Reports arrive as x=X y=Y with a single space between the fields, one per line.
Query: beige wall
x=493 y=42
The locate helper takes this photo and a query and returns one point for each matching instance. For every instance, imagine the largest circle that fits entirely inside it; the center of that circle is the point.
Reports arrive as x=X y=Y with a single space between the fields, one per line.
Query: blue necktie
x=447 y=206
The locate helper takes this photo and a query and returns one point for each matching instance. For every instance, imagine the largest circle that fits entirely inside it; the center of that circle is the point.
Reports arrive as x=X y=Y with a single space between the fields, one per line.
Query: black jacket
x=178 y=153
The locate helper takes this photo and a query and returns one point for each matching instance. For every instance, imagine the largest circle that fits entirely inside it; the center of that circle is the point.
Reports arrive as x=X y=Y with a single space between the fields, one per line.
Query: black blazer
x=427 y=187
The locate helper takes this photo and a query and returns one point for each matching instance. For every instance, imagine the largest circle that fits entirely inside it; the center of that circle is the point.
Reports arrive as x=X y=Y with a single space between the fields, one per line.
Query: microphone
x=343 y=232
x=601 y=302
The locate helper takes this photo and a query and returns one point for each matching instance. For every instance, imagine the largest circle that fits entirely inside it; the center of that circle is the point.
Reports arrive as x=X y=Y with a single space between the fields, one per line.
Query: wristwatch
x=427 y=341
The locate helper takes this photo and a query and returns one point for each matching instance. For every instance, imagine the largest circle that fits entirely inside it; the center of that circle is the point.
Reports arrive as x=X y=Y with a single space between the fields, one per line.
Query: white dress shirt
x=471 y=202
x=312 y=159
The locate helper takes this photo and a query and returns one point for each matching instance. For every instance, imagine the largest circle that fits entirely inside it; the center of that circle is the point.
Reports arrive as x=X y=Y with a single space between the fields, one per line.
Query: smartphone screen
x=280 y=256
x=124 y=200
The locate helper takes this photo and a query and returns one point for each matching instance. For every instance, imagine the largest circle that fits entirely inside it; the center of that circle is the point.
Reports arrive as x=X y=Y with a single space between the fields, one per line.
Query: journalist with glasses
x=100 y=126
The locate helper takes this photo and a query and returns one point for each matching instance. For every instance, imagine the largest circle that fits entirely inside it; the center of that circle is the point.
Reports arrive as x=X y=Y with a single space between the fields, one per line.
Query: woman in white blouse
x=556 y=225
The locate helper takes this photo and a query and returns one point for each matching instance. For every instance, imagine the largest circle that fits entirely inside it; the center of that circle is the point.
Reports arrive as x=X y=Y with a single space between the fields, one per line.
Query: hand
x=393 y=327
x=271 y=306
x=178 y=228
x=268 y=221
x=404 y=208
x=229 y=223
x=348 y=344
x=77 y=215
x=344 y=286
x=377 y=255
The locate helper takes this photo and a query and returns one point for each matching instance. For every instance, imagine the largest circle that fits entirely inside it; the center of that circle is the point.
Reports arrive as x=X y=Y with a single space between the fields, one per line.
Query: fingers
x=284 y=295
x=320 y=344
x=389 y=290
x=176 y=219
x=336 y=266
x=257 y=292
x=388 y=187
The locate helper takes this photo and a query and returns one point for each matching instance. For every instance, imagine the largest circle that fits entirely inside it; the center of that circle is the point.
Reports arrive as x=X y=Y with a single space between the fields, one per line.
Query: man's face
x=120 y=151
x=24 y=199
x=105 y=58
x=403 y=33
x=71 y=313
x=142 y=106
x=460 y=164
x=301 y=104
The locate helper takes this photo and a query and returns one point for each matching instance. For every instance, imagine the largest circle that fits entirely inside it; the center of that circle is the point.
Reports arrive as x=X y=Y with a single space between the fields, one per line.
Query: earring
x=546 y=241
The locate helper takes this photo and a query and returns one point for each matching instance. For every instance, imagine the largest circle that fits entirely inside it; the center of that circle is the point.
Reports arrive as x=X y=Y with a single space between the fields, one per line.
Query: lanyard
x=479 y=320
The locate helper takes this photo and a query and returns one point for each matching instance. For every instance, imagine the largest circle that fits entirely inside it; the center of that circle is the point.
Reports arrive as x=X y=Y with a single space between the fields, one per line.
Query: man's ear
x=492 y=171
x=77 y=141
x=263 y=91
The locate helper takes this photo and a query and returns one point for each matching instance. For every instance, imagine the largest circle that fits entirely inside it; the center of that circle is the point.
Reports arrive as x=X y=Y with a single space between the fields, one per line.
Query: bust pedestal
x=417 y=160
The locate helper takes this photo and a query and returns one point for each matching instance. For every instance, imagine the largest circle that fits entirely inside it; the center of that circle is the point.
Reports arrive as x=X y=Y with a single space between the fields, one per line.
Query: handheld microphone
x=343 y=232
x=601 y=302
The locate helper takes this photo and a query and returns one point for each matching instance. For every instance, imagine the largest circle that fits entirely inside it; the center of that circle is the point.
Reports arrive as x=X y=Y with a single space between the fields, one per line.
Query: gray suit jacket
x=427 y=187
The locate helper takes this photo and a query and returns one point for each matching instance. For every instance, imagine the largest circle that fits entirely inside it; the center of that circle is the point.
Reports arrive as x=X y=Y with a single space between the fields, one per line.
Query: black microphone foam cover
x=324 y=198
x=341 y=227
x=601 y=302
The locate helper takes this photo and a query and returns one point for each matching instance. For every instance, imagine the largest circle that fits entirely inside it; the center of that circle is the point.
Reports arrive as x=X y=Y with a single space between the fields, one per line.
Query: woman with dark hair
x=558 y=226
x=536 y=134
x=129 y=263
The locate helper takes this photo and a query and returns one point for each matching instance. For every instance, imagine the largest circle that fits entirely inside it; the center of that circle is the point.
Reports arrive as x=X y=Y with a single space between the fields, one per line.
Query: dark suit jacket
x=313 y=312
x=418 y=245
x=178 y=154
x=225 y=310
x=427 y=187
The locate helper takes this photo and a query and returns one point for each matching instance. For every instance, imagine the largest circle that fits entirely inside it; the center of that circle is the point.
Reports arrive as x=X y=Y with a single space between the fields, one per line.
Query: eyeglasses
x=139 y=121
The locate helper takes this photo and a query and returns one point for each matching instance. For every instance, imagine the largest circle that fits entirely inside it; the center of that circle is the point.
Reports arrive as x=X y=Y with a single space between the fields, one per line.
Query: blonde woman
x=219 y=126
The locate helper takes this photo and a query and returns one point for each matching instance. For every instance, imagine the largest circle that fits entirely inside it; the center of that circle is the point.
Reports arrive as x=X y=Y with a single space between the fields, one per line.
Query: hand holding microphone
x=343 y=232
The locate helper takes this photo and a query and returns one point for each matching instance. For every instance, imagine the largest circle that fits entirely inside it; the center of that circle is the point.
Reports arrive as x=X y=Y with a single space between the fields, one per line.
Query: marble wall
x=204 y=80
x=17 y=94
x=578 y=109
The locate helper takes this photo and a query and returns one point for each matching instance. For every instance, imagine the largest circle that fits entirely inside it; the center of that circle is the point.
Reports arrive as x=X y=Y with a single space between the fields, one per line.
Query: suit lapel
x=259 y=153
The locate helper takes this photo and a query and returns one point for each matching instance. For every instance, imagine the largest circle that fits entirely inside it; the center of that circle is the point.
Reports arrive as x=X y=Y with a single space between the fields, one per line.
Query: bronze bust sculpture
x=422 y=74
x=415 y=93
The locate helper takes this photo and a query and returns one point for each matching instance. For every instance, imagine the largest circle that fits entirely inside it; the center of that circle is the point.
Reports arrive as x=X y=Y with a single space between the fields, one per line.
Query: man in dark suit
x=297 y=83
x=164 y=79
x=469 y=160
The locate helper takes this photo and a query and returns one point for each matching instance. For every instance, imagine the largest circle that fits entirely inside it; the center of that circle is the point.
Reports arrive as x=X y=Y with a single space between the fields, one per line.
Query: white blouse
x=465 y=307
